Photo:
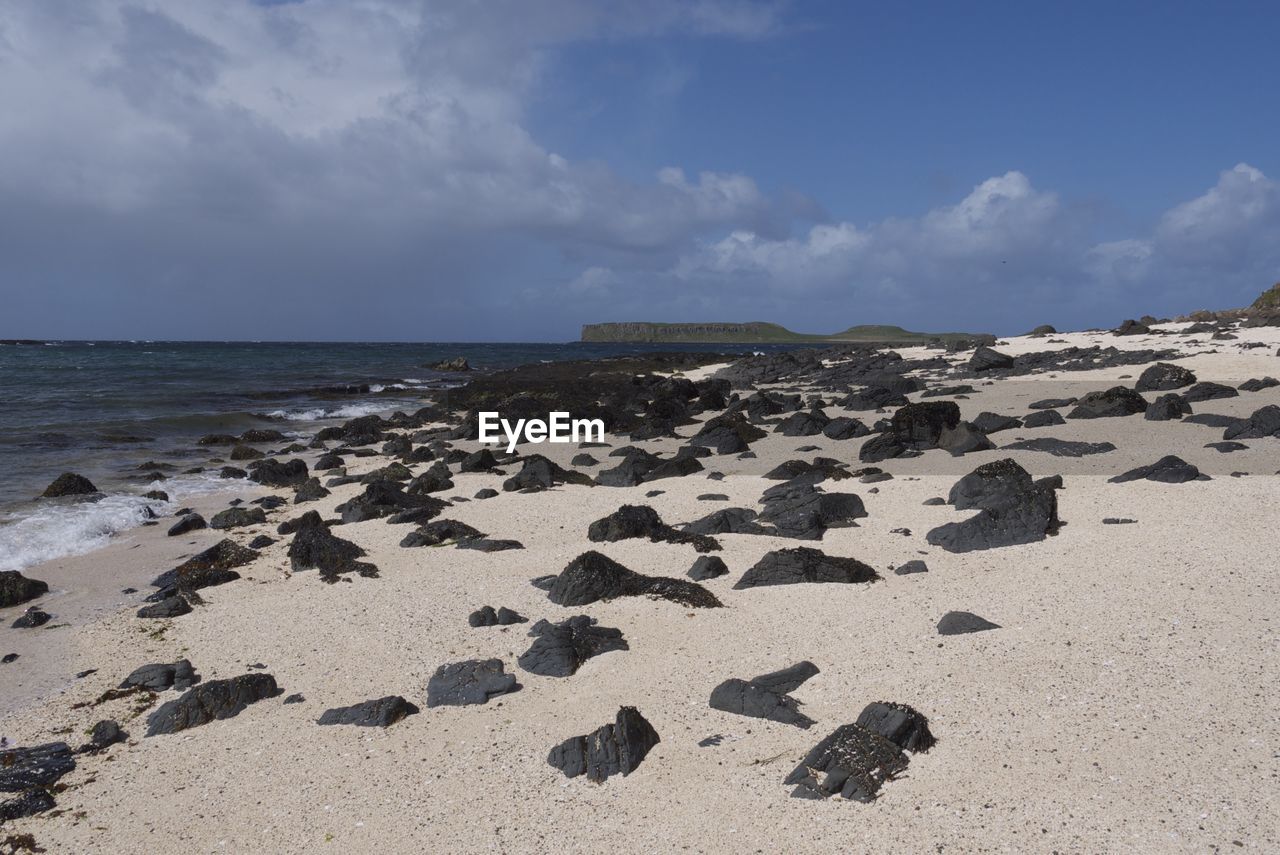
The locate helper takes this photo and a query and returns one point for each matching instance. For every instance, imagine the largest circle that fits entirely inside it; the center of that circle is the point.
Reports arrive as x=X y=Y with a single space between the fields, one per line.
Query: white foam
x=48 y=531
x=350 y=411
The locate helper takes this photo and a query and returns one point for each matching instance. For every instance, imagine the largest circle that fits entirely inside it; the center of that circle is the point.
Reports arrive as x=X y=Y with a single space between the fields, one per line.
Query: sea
x=104 y=408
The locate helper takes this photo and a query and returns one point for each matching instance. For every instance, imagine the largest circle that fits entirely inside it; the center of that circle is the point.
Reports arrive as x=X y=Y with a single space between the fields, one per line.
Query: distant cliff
x=759 y=332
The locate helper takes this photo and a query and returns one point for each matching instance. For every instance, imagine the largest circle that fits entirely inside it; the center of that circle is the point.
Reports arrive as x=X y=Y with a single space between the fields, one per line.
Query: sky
x=510 y=170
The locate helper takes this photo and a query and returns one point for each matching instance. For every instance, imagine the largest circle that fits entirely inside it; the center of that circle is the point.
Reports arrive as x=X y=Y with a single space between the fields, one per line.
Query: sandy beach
x=1125 y=703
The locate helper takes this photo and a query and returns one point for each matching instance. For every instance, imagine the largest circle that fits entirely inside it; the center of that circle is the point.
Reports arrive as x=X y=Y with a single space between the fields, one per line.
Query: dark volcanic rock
x=1209 y=392
x=591 y=577
x=386 y=498
x=310 y=491
x=1043 y=418
x=963 y=439
x=487 y=616
x=32 y=618
x=437 y=532
x=988 y=484
x=238 y=518
x=381 y=712
x=727 y=521
x=613 y=749
x=994 y=422
x=916 y=566
x=104 y=734
x=1060 y=447
x=766 y=696
x=1014 y=509
x=803 y=564
x=843 y=427
x=1114 y=402
x=1167 y=470
x=1051 y=403
x=902 y=725
x=16 y=588
x=1164 y=376
x=985 y=359
x=274 y=473
x=707 y=567
x=560 y=648
x=1264 y=422
x=873 y=398
x=727 y=434
x=37 y=766
x=187 y=523
x=69 y=484
x=803 y=423
x=29 y=803
x=168 y=607
x=539 y=473
x=922 y=424
x=473 y=681
x=852 y=762
x=315 y=547
x=631 y=521
x=211 y=701
x=1258 y=384
x=156 y=678
x=806 y=514
x=204 y=570
x=1167 y=407
x=962 y=623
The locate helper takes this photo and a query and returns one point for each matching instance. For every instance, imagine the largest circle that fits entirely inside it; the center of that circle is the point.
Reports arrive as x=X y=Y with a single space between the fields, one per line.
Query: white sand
x=1128 y=702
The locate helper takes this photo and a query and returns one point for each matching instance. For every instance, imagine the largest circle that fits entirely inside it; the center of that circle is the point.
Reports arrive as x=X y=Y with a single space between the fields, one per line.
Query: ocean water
x=102 y=408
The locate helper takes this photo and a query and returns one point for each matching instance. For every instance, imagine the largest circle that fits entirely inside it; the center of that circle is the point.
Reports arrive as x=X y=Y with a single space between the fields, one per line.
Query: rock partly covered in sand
x=591 y=577
x=804 y=565
x=380 y=712
x=766 y=696
x=473 y=681
x=211 y=701
x=561 y=648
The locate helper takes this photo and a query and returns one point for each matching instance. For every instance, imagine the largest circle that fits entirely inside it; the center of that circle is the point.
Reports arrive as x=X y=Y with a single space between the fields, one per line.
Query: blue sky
x=508 y=170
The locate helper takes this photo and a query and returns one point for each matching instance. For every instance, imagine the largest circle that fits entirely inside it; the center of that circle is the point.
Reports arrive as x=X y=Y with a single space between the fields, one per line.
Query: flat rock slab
x=181 y=675
x=560 y=648
x=1060 y=447
x=1167 y=470
x=613 y=749
x=766 y=696
x=211 y=701
x=37 y=766
x=380 y=712
x=803 y=564
x=473 y=681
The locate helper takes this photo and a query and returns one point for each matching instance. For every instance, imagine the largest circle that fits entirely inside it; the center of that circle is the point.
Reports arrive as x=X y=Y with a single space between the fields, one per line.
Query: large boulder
x=986 y=359
x=1013 y=509
x=69 y=484
x=1164 y=376
x=1114 y=402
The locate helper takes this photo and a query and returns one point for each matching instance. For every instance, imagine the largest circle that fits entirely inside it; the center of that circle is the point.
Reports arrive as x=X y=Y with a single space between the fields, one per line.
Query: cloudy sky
x=510 y=170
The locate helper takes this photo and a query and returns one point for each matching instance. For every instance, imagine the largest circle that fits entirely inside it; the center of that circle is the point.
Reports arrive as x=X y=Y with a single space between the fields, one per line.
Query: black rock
x=988 y=483
x=32 y=618
x=387 y=498
x=994 y=422
x=1209 y=392
x=727 y=521
x=439 y=532
x=962 y=623
x=489 y=544
x=844 y=427
x=1043 y=418
x=310 y=491
x=922 y=424
x=486 y=493
x=1164 y=376
x=963 y=439
x=727 y=434
x=613 y=749
x=486 y=616
x=261 y=542
x=1051 y=404
x=1167 y=407
x=916 y=566
x=473 y=681
x=37 y=766
x=539 y=473
x=237 y=518
x=1258 y=384
x=381 y=712
x=168 y=607
x=1114 y=402
x=315 y=546
x=1213 y=420
x=479 y=461
x=211 y=701
x=274 y=473
x=104 y=734
x=158 y=677
x=805 y=514
x=211 y=567
x=1060 y=447
x=1117 y=521
x=902 y=725
x=295 y=698
x=986 y=359
x=69 y=484
x=631 y=521
x=803 y=564
x=560 y=648
x=766 y=696
x=1131 y=327
x=1167 y=470
x=1226 y=447
x=707 y=567
x=803 y=423
x=16 y=588
x=187 y=523
x=852 y=762
x=584 y=460
x=1014 y=509
x=1264 y=422
x=592 y=577
x=29 y=803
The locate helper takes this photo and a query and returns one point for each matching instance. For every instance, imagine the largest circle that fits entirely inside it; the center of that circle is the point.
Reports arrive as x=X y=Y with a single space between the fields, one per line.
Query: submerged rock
x=766 y=696
x=613 y=749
